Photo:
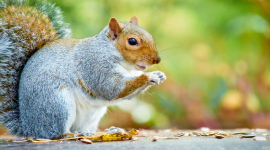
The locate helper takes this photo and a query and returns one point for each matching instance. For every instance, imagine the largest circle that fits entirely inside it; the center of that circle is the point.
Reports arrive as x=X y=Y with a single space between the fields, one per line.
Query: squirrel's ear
x=114 y=29
x=134 y=20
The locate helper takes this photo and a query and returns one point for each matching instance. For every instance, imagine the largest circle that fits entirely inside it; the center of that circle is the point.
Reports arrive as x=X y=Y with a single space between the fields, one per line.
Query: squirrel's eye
x=132 y=41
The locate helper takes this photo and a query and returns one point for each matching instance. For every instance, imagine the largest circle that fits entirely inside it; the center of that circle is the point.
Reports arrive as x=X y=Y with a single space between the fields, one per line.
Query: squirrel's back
x=25 y=26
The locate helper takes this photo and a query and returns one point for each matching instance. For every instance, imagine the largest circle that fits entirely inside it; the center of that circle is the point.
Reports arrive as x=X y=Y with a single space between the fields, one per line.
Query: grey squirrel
x=51 y=84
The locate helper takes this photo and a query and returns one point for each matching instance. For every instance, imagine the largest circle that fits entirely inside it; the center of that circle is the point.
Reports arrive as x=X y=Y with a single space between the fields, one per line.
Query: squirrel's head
x=135 y=44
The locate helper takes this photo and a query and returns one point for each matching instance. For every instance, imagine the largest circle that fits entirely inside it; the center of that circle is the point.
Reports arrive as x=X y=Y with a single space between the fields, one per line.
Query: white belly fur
x=84 y=114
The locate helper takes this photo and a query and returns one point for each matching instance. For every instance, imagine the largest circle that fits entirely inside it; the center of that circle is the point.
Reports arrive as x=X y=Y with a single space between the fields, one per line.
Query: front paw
x=156 y=77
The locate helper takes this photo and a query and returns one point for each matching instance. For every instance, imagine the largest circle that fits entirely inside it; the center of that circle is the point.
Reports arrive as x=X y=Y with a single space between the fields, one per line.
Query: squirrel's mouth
x=141 y=67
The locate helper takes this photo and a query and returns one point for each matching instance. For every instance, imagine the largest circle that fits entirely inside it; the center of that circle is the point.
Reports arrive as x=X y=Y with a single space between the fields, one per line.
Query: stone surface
x=164 y=139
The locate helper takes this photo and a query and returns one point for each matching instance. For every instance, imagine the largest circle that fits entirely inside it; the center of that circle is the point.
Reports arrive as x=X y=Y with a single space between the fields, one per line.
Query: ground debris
x=117 y=134
x=155 y=138
x=8 y=140
x=134 y=139
x=219 y=136
x=239 y=132
x=48 y=140
x=259 y=138
x=86 y=141
x=209 y=133
x=248 y=136
x=19 y=141
x=179 y=134
x=99 y=137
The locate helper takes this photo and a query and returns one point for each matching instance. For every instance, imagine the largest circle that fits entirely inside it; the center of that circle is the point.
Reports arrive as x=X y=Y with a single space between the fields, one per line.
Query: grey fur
x=100 y=57
x=93 y=61
x=13 y=57
x=32 y=86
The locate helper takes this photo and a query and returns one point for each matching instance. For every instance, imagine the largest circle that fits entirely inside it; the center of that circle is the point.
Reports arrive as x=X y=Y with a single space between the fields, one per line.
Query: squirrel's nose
x=157 y=60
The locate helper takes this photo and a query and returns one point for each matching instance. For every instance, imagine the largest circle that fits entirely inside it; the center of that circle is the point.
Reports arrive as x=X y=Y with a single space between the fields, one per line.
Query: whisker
x=164 y=54
x=161 y=51
x=106 y=113
x=170 y=67
x=142 y=97
x=150 y=93
x=108 y=110
x=113 y=108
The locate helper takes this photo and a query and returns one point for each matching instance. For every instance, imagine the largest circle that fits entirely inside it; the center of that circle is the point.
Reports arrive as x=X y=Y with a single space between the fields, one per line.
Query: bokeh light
x=214 y=53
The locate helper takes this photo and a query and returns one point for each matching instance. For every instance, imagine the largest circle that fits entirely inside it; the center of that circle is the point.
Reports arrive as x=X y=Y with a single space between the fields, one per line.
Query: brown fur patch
x=68 y=43
x=35 y=26
x=85 y=88
x=62 y=87
x=145 y=51
x=133 y=85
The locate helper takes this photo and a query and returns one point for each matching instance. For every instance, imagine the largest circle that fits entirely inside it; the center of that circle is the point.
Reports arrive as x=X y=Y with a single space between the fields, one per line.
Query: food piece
x=219 y=136
x=86 y=141
x=155 y=138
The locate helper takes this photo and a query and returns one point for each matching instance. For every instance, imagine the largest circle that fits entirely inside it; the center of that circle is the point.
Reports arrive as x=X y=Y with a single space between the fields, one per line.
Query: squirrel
x=52 y=84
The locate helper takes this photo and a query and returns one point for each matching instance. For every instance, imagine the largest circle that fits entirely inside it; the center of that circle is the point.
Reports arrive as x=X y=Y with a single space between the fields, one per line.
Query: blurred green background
x=214 y=53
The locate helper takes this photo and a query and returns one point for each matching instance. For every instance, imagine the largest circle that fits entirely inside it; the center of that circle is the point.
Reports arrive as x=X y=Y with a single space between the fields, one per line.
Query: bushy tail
x=25 y=26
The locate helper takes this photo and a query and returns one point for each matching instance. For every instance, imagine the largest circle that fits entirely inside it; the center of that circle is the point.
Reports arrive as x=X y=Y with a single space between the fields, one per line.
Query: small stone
x=134 y=139
x=248 y=136
x=203 y=134
x=195 y=133
x=180 y=134
x=219 y=136
x=259 y=138
x=155 y=138
x=186 y=134
x=241 y=132
x=209 y=133
x=223 y=133
x=86 y=141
